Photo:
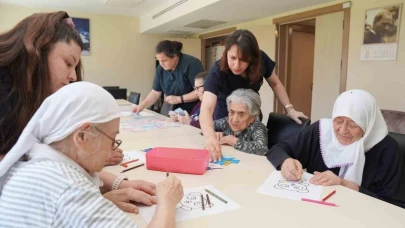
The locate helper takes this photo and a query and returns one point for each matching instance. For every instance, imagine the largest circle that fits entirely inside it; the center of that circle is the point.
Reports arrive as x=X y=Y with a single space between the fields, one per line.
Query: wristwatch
x=182 y=100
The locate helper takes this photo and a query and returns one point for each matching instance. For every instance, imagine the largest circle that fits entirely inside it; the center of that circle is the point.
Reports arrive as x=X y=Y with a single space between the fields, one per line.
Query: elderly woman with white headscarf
x=352 y=149
x=242 y=128
x=66 y=143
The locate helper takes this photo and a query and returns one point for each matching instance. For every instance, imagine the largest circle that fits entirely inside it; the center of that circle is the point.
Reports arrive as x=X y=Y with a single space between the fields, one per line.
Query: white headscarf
x=361 y=107
x=58 y=117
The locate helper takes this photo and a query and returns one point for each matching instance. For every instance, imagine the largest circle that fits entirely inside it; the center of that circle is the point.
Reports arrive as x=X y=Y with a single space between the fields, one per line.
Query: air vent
x=204 y=24
x=168 y=9
x=123 y=3
x=179 y=32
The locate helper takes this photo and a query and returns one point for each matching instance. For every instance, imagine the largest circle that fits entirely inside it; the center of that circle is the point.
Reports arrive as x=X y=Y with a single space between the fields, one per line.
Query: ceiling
x=115 y=7
x=224 y=13
x=233 y=12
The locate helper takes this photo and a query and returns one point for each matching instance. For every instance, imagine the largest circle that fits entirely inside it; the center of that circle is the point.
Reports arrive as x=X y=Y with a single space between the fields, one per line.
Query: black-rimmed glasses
x=115 y=143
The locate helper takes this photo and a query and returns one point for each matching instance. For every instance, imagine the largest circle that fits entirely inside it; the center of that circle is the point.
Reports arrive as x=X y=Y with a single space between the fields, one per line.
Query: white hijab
x=361 y=107
x=59 y=116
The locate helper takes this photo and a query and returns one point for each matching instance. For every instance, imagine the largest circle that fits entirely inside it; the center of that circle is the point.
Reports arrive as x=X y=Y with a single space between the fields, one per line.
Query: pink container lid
x=178 y=160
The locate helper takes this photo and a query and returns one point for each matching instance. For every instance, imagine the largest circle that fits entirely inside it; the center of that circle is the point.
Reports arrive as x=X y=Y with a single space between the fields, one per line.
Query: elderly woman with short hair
x=242 y=128
x=67 y=143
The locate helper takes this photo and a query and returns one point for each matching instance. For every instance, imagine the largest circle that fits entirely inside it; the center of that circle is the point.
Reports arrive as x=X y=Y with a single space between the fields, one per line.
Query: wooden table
x=240 y=183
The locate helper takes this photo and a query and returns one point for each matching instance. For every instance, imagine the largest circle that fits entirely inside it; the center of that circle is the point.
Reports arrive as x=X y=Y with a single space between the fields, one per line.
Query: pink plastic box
x=178 y=160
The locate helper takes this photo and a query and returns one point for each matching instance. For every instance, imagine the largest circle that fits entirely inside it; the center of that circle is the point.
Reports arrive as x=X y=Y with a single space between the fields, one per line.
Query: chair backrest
x=111 y=87
x=281 y=127
x=118 y=93
x=134 y=97
x=166 y=107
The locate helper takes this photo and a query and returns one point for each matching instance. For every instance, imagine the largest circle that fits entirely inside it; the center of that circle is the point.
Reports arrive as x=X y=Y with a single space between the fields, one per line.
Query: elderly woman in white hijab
x=66 y=143
x=352 y=149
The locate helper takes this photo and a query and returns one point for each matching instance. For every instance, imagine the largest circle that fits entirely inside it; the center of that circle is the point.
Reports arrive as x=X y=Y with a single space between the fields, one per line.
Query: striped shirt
x=45 y=193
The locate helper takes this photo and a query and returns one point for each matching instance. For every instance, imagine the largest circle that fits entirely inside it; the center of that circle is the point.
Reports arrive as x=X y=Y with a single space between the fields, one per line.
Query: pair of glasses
x=115 y=143
x=198 y=87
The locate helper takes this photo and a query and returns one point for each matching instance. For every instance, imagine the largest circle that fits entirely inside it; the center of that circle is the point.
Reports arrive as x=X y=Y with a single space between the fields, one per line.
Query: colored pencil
x=125 y=170
x=216 y=196
x=128 y=162
x=328 y=196
x=208 y=200
x=319 y=202
x=202 y=202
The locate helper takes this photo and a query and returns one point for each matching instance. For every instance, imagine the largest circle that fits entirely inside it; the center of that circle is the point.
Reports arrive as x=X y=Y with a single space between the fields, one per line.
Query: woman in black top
x=243 y=65
x=174 y=77
x=352 y=149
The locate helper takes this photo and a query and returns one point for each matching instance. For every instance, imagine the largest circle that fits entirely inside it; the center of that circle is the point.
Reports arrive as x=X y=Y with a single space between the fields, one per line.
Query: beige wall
x=120 y=55
x=385 y=80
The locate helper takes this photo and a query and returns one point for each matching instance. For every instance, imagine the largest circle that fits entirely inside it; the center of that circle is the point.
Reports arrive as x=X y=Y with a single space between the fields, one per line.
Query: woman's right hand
x=291 y=169
x=212 y=144
x=137 y=109
x=169 y=192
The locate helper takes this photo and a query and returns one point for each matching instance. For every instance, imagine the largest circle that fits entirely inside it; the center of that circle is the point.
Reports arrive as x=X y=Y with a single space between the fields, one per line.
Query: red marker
x=328 y=196
x=319 y=202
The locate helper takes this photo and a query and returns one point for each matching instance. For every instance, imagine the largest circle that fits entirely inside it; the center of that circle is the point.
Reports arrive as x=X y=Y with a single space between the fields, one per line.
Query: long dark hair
x=249 y=49
x=24 y=54
x=169 y=48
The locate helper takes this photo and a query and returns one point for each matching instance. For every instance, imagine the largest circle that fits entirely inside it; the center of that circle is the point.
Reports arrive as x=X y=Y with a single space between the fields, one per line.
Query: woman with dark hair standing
x=174 y=77
x=243 y=65
x=40 y=55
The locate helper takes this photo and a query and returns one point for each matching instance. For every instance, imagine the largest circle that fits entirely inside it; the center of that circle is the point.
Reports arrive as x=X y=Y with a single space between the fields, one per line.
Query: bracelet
x=182 y=100
x=288 y=106
x=117 y=182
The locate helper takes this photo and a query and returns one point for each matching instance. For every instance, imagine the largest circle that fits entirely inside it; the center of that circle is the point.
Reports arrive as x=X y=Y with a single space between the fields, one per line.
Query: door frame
x=282 y=42
x=204 y=37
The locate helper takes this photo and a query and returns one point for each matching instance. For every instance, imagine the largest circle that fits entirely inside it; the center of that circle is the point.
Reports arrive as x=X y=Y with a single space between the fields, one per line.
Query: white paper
x=378 y=52
x=190 y=206
x=277 y=185
x=143 y=114
x=132 y=155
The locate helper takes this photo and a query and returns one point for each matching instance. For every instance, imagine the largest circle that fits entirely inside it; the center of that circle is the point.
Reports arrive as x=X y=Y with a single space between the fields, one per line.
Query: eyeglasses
x=115 y=143
x=198 y=87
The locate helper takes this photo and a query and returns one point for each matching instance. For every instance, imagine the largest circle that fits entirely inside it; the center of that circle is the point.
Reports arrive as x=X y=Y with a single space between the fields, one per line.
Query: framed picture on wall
x=83 y=27
x=381 y=33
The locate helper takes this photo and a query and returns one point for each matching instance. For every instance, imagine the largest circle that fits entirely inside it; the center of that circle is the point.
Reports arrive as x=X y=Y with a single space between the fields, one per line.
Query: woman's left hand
x=228 y=140
x=144 y=186
x=186 y=119
x=294 y=115
x=115 y=158
x=122 y=199
x=173 y=100
x=327 y=178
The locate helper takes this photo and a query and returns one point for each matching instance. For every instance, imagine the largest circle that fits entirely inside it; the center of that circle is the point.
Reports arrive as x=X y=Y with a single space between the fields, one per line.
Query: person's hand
x=173 y=117
x=169 y=192
x=115 y=158
x=294 y=115
x=326 y=178
x=228 y=140
x=144 y=186
x=173 y=100
x=291 y=169
x=122 y=199
x=213 y=146
x=137 y=109
x=186 y=119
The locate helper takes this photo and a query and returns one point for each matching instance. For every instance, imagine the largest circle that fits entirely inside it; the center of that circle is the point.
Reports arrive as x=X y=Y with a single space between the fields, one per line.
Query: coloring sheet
x=190 y=206
x=132 y=155
x=137 y=125
x=277 y=185
x=143 y=114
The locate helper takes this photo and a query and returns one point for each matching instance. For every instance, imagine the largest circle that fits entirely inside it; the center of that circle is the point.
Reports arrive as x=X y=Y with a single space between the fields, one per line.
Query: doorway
x=311 y=58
